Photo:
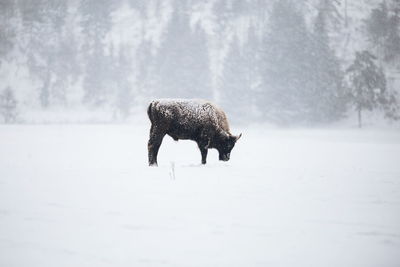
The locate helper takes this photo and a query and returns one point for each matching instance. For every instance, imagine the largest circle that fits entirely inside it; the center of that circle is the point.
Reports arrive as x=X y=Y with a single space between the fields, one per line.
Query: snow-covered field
x=83 y=195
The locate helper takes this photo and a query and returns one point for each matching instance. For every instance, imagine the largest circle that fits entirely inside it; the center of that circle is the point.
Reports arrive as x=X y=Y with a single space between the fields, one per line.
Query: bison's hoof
x=153 y=164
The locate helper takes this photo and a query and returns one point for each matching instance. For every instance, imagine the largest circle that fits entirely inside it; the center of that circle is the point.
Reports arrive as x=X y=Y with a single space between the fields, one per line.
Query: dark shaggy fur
x=196 y=120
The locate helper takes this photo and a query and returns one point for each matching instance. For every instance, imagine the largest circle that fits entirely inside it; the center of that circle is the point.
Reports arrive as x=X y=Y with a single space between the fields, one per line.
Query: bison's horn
x=225 y=134
x=238 y=137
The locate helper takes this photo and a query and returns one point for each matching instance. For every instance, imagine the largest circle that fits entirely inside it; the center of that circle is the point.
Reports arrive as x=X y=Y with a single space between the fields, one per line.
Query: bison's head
x=225 y=146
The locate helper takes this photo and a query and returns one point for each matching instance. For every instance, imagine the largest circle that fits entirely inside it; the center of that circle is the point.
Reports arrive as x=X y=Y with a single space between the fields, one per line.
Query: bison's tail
x=149 y=111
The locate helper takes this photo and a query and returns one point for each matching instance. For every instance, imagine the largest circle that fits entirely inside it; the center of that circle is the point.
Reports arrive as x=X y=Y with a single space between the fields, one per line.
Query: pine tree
x=377 y=26
x=183 y=68
x=95 y=24
x=235 y=97
x=8 y=105
x=124 y=97
x=392 y=41
x=146 y=70
x=44 y=21
x=68 y=68
x=252 y=57
x=331 y=13
x=286 y=67
x=327 y=95
x=7 y=31
x=241 y=78
x=383 y=30
x=222 y=30
x=391 y=106
x=302 y=79
x=368 y=83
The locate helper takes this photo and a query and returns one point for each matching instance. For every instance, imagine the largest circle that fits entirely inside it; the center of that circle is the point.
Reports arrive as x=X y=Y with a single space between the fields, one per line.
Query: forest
x=286 y=62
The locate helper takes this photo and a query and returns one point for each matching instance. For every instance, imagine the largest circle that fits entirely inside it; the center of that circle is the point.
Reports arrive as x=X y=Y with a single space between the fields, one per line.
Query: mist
x=310 y=89
x=282 y=63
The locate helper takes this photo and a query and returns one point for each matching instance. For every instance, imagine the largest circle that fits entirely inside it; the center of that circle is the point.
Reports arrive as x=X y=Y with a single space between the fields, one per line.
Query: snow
x=83 y=195
x=192 y=112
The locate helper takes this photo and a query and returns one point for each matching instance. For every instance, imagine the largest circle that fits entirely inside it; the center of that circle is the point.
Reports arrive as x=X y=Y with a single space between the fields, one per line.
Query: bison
x=197 y=120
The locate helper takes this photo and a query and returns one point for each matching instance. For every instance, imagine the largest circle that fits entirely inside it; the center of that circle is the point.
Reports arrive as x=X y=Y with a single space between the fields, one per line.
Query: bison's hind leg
x=156 y=137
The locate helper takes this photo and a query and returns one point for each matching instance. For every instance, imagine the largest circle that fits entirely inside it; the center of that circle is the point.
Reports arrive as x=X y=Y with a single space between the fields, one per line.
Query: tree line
x=273 y=62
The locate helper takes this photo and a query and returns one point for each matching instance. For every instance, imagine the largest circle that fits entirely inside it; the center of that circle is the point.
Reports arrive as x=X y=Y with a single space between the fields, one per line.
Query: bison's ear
x=238 y=137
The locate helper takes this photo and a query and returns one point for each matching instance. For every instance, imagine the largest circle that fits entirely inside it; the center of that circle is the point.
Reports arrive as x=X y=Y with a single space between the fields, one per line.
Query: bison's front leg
x=203 y=155
x=203 y=149
x=154 y=144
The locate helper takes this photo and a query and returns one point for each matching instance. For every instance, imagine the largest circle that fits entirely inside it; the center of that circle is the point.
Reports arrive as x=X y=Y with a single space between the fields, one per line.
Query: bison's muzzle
x=225 y=157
